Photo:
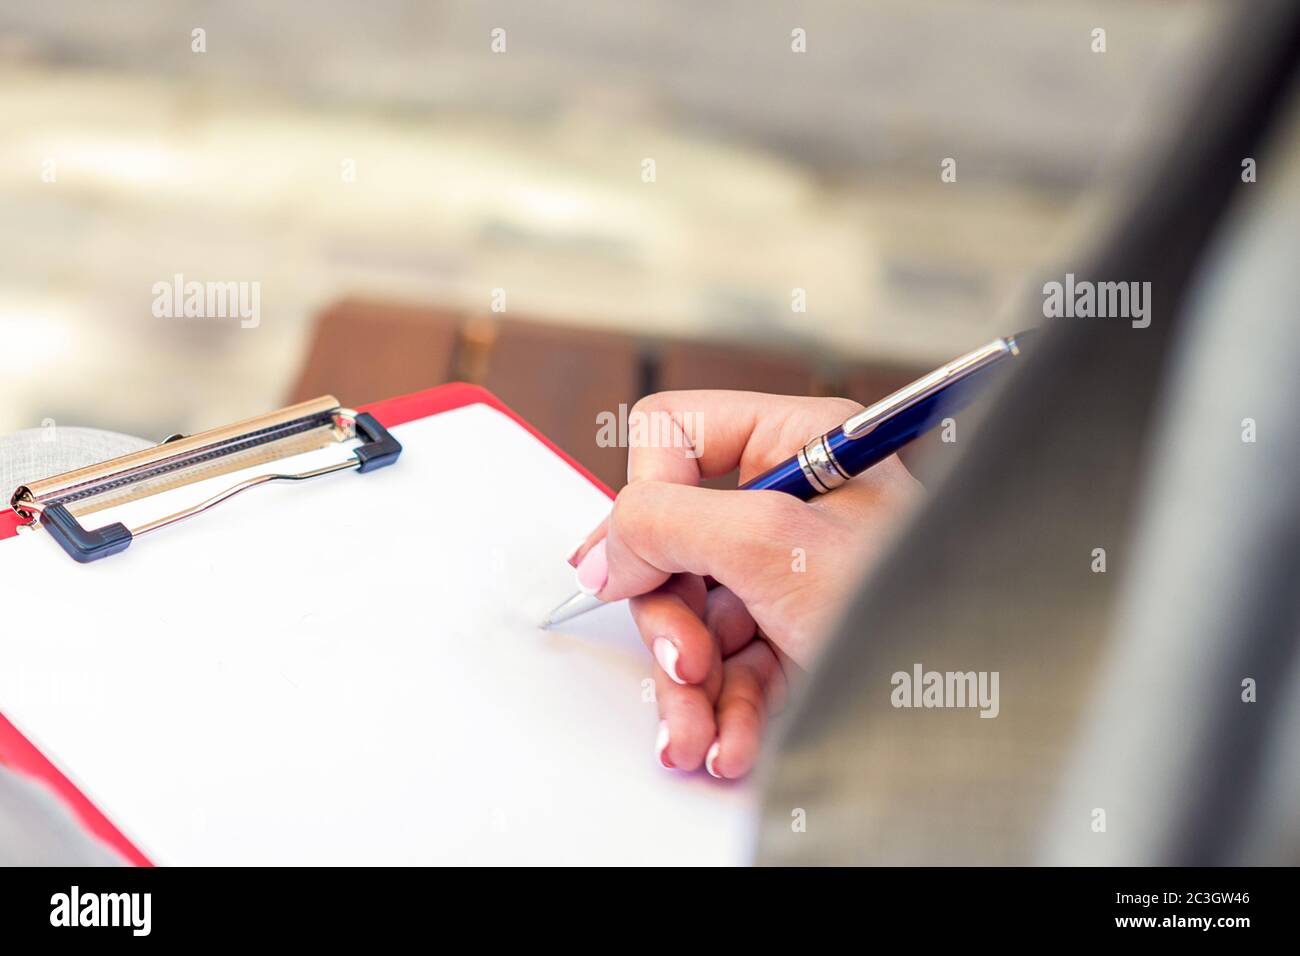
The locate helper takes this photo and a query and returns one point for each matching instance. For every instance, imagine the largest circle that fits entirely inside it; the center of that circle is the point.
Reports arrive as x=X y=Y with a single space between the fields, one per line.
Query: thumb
x=658 y=529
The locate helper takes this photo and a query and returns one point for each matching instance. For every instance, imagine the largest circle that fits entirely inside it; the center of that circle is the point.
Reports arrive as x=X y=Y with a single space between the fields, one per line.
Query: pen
x=865 y=438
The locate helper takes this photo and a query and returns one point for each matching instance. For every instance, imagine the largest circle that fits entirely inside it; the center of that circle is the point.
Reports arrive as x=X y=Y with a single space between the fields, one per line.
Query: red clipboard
x=21 y=756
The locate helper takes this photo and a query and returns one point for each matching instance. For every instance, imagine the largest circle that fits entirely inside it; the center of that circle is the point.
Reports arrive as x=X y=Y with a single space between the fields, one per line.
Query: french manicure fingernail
x=666 y=654
x=572 y=559
x=711 y=758
x=593 y=569
x=661 y=745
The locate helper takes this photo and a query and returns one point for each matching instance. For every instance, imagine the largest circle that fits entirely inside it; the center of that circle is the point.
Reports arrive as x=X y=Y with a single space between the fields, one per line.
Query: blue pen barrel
x=787 y=477
x=856 y=455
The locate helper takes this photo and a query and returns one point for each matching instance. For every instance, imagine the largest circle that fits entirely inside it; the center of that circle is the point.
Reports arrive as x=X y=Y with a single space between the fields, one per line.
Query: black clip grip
x=380 y=448
x=81 y=544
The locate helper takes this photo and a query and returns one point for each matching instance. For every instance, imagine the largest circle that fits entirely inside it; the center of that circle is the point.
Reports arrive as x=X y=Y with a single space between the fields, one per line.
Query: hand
x=783 y=568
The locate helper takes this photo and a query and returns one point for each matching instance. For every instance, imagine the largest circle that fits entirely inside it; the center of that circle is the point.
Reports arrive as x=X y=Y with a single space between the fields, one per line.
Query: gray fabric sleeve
x=1120 y=688
x=1188 y=763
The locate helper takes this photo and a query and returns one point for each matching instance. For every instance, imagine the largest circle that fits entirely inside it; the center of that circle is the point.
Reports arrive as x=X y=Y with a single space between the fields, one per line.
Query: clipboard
x=700 y=808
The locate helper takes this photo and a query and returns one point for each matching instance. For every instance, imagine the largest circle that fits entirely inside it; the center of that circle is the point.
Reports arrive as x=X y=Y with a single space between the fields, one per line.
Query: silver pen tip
x=579 y=603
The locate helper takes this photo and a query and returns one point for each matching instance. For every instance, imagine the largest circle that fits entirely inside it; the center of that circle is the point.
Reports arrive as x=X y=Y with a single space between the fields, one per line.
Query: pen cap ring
x=820 y=467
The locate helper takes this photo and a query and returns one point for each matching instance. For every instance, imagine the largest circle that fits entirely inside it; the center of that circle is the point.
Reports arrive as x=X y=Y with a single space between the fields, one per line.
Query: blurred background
x=416 y=207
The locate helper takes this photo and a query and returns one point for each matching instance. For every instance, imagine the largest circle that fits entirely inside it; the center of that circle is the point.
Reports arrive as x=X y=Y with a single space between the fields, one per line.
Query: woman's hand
x=783 y=567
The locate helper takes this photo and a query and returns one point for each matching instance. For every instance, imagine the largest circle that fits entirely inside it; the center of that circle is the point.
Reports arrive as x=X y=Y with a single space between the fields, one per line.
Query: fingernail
x=572 y=559
x=661 y=746
x=593 y=570
x=711 y=758
x=666 y=654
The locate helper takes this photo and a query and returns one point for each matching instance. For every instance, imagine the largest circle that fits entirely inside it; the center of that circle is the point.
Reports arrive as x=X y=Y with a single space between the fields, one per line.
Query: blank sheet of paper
x=349 y=670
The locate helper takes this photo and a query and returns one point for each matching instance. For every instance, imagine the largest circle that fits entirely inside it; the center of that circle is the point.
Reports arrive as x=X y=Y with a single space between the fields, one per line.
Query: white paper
x=349 y=670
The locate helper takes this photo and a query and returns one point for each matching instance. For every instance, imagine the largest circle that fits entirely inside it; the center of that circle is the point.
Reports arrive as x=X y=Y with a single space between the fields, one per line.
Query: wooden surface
x=559 y=378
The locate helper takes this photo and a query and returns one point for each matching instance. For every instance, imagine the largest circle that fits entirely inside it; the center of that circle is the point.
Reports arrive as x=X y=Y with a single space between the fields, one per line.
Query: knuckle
x=745 y=712
x=844 y=407
x=655 y=402
x=633 y=499
x=634 y=506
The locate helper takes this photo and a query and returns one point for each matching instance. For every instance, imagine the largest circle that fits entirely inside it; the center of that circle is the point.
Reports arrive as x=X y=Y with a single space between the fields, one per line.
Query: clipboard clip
x=57 y=503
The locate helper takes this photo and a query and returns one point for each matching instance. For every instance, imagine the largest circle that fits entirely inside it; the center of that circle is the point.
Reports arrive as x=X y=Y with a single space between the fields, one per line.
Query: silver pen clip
x=864 y=421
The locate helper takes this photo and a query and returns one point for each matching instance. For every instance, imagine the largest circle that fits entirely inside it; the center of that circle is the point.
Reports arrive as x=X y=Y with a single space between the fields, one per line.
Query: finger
x=779 y=686
x=688 y=435
x=668 y=619
x=728 y=620
x=659 y=529
x=684 y=436
x=750 y=678
x=686 y=719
